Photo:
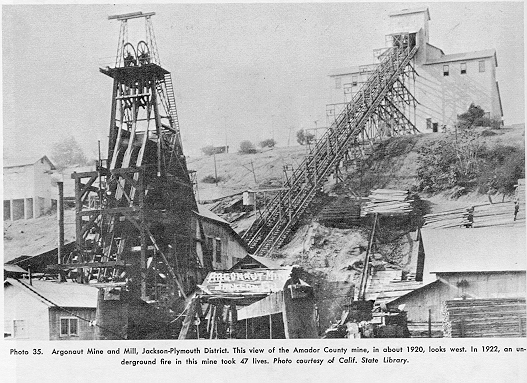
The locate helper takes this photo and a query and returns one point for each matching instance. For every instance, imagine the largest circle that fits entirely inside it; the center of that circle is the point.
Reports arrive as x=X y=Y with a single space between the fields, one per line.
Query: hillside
x=333 y=256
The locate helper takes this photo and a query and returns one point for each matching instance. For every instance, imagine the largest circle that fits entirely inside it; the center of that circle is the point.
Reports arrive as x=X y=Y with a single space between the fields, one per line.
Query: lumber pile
x=388 y=202
x=341 y=211
x=494 y=214
x=484 y=318
x=476 y=216
x=449 y=218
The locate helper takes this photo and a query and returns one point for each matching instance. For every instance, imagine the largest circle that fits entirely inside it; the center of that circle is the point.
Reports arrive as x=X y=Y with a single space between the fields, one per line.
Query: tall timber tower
x=135 y=224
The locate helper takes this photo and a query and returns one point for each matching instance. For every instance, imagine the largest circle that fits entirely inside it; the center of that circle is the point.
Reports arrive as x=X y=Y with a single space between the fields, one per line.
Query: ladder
x=272 y=227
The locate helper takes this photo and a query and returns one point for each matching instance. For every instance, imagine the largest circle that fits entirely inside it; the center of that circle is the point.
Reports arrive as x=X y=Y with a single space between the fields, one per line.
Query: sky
x=240 y=71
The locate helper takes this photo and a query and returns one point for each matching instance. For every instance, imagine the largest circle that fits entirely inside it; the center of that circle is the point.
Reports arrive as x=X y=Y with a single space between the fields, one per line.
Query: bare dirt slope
x=35 y=236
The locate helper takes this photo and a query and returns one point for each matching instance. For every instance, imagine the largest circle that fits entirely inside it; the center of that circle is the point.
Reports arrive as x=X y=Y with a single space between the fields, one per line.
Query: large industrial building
x=445 y=84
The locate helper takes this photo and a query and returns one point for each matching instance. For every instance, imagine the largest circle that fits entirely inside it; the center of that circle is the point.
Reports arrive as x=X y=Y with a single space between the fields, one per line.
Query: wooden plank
x=189 y=319
x=272 y=304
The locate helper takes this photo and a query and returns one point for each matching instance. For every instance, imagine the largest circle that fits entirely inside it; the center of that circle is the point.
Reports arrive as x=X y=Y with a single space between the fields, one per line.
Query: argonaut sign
x=246 y=281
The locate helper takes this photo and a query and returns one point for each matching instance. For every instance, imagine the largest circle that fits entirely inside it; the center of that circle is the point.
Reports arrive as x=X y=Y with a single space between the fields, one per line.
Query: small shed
x=468 y=264
x=226 y=246
x=48 y=310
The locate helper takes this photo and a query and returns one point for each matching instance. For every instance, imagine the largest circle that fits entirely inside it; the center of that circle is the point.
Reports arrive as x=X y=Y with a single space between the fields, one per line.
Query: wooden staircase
x=276 y=222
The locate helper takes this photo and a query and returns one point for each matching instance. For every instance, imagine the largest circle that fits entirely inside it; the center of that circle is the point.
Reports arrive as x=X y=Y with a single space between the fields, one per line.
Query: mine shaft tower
x=134 y=215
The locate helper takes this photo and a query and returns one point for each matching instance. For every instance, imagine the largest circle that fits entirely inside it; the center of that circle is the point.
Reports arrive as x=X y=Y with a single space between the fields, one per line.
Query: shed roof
x=252 y=261
x=60 y=294
x=14 y=269
x=25 y=161
x=206 y=213
x=465 y=57
x=367 y=68
x=488 y=249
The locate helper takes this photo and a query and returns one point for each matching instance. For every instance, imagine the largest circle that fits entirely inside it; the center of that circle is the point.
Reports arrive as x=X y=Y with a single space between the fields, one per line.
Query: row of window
x=463 y=68
x=216 y=250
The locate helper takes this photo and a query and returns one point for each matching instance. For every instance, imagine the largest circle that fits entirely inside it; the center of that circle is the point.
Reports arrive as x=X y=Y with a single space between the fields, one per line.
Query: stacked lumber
x=484 y=318
x=388 y=202
x=341 y=211
x=494 y=214
x=448 y=218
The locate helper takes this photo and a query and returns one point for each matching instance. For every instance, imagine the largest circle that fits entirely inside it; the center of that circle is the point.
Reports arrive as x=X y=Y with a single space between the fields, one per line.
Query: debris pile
x=388 y=202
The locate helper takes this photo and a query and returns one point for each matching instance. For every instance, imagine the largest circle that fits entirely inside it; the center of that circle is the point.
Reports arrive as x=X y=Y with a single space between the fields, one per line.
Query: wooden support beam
x=87 y=265
x=189 y=318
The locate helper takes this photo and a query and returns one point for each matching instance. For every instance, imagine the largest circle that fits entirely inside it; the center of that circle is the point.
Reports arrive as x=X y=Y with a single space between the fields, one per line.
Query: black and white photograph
x=185 y=182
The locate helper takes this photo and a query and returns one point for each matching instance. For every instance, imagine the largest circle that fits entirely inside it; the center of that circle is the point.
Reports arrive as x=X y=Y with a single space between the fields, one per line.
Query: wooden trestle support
x=383 y=107
x=134 y=214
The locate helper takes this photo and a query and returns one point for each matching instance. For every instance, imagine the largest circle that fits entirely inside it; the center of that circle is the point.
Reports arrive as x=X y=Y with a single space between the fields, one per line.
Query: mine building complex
x=165 y=267
x=445 y=85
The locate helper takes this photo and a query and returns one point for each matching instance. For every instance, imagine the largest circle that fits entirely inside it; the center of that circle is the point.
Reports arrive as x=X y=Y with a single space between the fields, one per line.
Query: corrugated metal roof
x=488 y=249
x=61 y=294
x=464 y=57
x=25 y=161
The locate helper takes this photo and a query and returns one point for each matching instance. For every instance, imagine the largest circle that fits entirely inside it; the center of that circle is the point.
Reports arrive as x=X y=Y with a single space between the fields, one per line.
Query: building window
x=69 y=326
x=338 y=82
x=446 y=71
x=19 y=329
x=210 y=245
x=463 y=68
x=347 y=88
x=354 y=80
x=218 y=250
x=428 y=123
x=482 y=65
x=7 y=210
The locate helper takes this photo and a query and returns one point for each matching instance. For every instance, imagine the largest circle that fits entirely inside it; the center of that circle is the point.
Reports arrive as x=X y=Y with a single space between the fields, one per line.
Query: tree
x=304 y=138
x=247 y=147
x=268 y=143
x=68 y=153
x=476 y=116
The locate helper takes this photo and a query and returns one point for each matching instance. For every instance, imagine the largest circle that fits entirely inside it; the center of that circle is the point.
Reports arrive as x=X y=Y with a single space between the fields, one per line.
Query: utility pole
x=215 y=170
x=225 y=127
x=60 y=216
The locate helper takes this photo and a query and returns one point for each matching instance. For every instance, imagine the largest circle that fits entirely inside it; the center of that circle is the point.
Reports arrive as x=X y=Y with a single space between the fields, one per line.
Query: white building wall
x=411 y=22
x=21 y=306
x=33 y=184
x=443 y=98
x=19 y=182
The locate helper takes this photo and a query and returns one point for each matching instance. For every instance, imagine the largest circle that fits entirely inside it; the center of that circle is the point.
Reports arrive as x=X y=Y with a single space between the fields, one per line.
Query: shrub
x=210 y=179
x=304 y=138
x=208 y=150
x=504 y=165
x=268 y=143
x=487 y=133
x=247 y=147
